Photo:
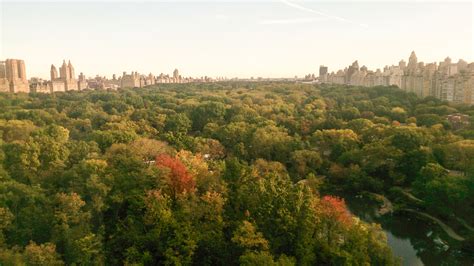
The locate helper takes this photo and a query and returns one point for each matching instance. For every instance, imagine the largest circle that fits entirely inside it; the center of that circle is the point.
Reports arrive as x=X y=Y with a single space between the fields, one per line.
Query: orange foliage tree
x=179 y=180
x=335 y=218
x=335 y=208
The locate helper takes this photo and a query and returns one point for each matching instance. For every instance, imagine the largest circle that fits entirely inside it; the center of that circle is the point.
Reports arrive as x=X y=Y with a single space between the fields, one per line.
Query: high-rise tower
x=13 y=76
x=71 y=70
x=67 y=79
x=54 y=72
x=412 y=62
x=64 y=71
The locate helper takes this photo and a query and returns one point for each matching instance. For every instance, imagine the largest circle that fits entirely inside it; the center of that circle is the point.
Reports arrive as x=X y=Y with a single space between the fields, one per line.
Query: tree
x=236 y=137
x=271 y=143
x=350 y=113
x=411 y=162
x=270 y=201
x=380 y=160
x=207 y=112
x=90 y=249
x=249 y=239
x=458 y=155
x=80 y=150
x=305 y=162
x=428 y=120
x=16 y=129
x=407 y=138
x=105 y=138
x=71 y=225
x=335 y=210
x=206 y=215
x=333 y=142
x=178 y=179
x=148 y=149
x=44 y=254
x=179 y=123
x=399 y=114
x=6 y=219
x=261 y=168
x=32 y=212
x=53 y=148
x=265 y=258
x=428 y=173
x=91 y=179
x=210 y=148
x=22 y=160
x=442 y=192
x=87 y=174
x=360 y=125
x=172 y=236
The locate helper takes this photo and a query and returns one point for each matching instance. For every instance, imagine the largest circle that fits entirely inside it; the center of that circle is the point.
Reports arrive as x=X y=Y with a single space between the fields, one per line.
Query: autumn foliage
x=178 y=178
x=335 y=208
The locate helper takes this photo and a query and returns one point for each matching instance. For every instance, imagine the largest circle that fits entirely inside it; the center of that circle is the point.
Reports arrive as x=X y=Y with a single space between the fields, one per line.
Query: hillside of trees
x=225 y=173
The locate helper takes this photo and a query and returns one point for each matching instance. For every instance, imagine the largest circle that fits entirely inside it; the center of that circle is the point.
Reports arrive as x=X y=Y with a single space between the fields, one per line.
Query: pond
x=404 y=249
x=415 y=240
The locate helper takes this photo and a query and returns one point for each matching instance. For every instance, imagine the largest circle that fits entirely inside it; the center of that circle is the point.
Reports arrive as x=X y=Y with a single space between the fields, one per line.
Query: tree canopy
x=214 y=174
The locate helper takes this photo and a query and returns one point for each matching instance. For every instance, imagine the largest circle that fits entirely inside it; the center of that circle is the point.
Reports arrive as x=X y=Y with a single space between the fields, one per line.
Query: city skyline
x=267 y=39
x=447 y=79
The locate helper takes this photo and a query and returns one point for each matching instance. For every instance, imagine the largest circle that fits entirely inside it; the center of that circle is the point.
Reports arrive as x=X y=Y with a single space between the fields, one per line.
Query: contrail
x=300 y=7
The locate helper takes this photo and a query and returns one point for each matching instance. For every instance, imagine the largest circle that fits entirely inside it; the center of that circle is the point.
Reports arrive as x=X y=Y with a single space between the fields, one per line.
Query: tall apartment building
x=448 y=81
x=13 y=76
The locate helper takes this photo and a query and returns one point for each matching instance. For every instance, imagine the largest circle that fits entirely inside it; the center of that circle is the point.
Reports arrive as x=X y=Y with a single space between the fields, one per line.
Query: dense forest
x=224 y=173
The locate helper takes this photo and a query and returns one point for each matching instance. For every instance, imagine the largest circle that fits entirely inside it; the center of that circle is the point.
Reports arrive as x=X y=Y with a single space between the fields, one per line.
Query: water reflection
x=417 y=241
x=403 y=248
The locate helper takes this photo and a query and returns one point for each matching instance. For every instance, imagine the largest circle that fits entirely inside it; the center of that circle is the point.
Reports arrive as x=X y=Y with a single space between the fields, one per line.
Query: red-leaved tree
x=335 y=219
x=335 y=208
x=178 y=178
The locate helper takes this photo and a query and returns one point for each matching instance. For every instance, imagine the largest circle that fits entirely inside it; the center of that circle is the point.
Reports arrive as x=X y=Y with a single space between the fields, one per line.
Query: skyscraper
x=13 y=76
x=54 y=73
x=66 y=74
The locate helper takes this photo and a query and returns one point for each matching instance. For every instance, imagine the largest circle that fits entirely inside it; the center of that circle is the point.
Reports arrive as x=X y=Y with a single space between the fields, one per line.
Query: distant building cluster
x=65 y=81
x=448 y=81
x=13 y=79
x=137 y=80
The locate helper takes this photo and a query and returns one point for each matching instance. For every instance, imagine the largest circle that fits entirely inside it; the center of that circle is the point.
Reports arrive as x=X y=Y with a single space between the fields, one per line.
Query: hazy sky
x=265 y=38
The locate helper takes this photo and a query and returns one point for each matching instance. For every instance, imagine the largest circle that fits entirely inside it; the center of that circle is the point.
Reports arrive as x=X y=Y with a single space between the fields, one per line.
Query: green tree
x=22 y=160
x=272 y=143
x=71 y=225
x=208 y=112
x=333 y=142
x=179 y=123
x=305 y=162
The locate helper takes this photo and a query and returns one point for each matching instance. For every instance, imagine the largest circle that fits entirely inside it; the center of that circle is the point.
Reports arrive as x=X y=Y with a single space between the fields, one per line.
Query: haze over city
x=233 y=39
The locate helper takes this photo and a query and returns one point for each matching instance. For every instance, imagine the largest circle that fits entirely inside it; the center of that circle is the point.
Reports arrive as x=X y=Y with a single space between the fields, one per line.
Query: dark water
x=416 y=240
x=404 y=249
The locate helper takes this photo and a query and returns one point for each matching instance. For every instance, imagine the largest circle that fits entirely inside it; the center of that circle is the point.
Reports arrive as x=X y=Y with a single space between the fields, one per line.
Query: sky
x=265 y=38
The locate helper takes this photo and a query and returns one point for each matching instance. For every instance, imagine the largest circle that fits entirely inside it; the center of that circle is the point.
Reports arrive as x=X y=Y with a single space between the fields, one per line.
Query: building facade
x=64 y=80
x=130 y=80
x=13 y=76
x=448 y=81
